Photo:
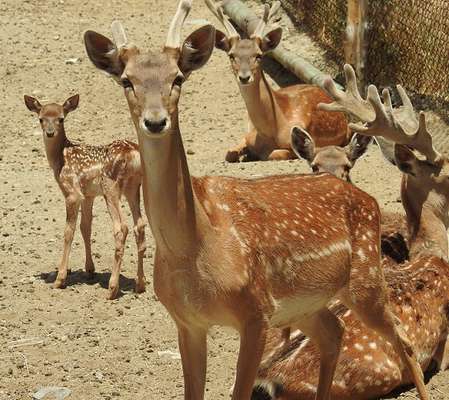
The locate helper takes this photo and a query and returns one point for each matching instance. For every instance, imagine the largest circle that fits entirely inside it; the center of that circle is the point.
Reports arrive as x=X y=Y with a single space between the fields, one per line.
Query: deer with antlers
x=245 y=253
x=273 y=113
x=367 y=366
x=84 y=172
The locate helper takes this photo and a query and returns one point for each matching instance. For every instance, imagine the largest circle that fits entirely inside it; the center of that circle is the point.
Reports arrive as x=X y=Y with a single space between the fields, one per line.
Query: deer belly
x=293 y=309
x=93 y=187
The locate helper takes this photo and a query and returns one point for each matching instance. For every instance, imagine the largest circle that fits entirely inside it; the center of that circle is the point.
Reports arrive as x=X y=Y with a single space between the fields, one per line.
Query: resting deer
x=273 y=113
x=337 y=160
x=245 y=253
x=84 y=172
x=367 y=366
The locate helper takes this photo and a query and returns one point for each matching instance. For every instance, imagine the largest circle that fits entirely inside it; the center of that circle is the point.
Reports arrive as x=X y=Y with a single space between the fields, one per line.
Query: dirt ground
x=75 y=338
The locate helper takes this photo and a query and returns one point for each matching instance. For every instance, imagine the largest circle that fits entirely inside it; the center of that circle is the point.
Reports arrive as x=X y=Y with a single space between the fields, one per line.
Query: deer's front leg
x=233 y=155
x=193 y=348
x=281 y=154
x=72 y=205
x=86 y=231
x=252 y=343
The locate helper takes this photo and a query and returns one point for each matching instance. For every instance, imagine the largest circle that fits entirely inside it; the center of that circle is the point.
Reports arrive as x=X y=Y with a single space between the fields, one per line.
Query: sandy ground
x=74 y=337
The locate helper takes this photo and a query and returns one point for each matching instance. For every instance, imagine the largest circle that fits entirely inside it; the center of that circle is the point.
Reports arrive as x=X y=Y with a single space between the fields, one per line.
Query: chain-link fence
x=407 y=43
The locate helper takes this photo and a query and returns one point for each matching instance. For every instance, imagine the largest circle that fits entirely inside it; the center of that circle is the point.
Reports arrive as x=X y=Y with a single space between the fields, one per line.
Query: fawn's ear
x=71 y=103
x=406 y=160
x=221 y=41
x=358 y=146
x=32 y=104
x=197 y=49
x=271 y=40
x=302 y=144
x=103 y=53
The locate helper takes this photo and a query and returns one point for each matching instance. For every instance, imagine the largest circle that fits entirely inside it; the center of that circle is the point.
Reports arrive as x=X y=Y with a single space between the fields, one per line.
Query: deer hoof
x=140 y=285
x=59 y=283
x=113 y=292
x=232 y=156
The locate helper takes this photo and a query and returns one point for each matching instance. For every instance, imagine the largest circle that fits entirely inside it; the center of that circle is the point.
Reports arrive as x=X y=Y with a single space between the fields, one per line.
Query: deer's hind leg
x=112 y=197
x=326 y=330
x=133 y=197
x=367 y=295
x=86 y=231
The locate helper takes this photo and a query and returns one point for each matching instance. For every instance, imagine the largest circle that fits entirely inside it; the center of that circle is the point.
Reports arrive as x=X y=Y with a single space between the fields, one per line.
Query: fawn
x=84 y=172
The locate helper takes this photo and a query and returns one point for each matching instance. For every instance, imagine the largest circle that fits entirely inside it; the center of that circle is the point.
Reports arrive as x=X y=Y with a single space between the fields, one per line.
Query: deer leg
x=72 y=208
x=281 y=154
x=86 y=231
x=326 y=330
x=233 y=155
x=133 y=198
x=193 y=349
x=120 y=232
x=252 y=343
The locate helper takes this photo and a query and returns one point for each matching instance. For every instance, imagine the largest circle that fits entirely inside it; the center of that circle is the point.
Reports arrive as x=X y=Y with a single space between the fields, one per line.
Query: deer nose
x=244 y=79
x=155 y=126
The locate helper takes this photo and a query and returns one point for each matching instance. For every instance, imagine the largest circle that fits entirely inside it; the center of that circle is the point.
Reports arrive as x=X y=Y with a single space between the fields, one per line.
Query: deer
x=418 y=287
x=337 y=160
x=273 y=113
x=84 y=172
x=244 y=253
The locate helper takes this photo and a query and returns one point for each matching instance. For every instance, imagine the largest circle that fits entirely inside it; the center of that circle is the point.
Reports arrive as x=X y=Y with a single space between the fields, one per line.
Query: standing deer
x=273 y=113
x=84 y=172
x=368 y=367
x=245 y=253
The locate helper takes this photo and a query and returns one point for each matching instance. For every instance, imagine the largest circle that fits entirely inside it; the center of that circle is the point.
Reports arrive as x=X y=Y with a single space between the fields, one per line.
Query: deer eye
x=314 y=168
x=258 y=57
x=179 y=80
x=41 y=120
x=126 y=83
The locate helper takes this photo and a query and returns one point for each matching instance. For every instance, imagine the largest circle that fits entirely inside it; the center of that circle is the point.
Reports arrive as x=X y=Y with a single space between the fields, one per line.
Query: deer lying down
x=273 y=113
x=418 y=289
x=84 y=172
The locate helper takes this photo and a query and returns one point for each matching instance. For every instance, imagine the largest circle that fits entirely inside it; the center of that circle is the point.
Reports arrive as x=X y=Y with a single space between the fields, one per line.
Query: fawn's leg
x=133 y=197
x=193 y=348
x=326 y=330
x=233 y=155
x=120 y=232
x=72 y=205
x=86 y=231
x=252 y=343
x=281 y=154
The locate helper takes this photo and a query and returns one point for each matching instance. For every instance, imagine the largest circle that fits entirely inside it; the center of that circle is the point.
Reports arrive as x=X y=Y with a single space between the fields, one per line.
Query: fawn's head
x=152 y=80
x=51 y=116
x=246 y=54
x=333 y=159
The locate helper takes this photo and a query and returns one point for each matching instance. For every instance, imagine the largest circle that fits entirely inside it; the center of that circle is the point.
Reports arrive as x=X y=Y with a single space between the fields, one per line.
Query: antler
x=379 y=118
x=174 y=32
x=118 y=34
x=217 y=10
x=269 y=14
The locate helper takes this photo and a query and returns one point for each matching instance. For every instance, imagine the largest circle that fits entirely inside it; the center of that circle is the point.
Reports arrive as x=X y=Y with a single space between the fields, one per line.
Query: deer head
x=152 y=80
x=51 y=116
x=246 y=54
x=336 y=160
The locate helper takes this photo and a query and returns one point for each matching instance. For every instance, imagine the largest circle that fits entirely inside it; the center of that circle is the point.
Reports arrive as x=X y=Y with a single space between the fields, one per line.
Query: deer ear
x=405 y=159
x=271 y=40
x=71 y=103
x=221 y=41
x=197 y=49
x=358 y=146
x=32 y=104
x=302 y=144
x=103 y=53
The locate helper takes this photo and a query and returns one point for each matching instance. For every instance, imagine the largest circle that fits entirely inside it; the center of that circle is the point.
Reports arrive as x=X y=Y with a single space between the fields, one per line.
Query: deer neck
x=427 y=219
x=263 y=109
x=54 y=149
x=170 y=203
